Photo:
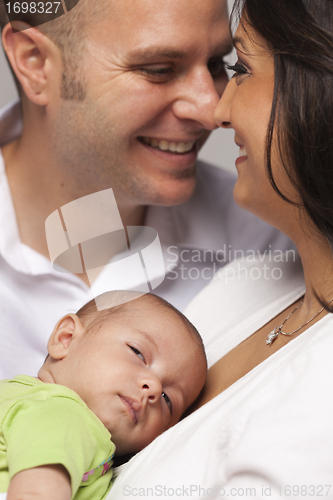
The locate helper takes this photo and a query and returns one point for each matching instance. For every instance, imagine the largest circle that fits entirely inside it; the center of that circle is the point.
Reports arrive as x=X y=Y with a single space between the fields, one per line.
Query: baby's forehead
x=167 y=315
x=165 y=318
x=149 y=315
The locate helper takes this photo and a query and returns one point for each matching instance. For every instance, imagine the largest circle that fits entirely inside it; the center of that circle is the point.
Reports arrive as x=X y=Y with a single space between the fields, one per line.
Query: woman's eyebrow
x=238 y=40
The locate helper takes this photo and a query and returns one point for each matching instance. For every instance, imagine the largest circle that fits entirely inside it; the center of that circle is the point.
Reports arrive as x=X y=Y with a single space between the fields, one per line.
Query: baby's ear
x=66 y=329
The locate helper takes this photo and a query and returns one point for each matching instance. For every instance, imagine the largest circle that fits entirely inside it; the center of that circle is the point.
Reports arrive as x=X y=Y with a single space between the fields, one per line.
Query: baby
x=125 y=373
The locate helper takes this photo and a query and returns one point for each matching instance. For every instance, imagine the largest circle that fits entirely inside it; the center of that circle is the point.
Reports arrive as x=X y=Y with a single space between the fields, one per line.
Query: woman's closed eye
x=137 y=352
x=168 y=401
x=239 y=69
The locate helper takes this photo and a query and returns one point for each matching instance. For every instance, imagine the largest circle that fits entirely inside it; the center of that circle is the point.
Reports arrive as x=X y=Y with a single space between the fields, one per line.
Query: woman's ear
x=32 y=56
x=66 y=329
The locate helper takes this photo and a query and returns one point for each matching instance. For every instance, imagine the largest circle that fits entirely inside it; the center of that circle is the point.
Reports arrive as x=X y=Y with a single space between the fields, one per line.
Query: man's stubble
x=91 y=157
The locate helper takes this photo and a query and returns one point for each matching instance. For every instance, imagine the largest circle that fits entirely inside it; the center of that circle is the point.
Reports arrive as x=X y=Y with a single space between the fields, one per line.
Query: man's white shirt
x=197 y=238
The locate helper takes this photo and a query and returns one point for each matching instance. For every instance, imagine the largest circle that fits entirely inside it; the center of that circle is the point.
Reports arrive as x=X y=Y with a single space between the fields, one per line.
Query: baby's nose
x=152 y=389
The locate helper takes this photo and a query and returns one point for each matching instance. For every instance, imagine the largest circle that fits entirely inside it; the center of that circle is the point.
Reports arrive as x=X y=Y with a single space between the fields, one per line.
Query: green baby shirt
x=43 y=424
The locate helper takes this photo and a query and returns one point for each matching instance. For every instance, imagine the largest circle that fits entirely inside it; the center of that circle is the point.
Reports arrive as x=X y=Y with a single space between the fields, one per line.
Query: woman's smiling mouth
x=242 y=154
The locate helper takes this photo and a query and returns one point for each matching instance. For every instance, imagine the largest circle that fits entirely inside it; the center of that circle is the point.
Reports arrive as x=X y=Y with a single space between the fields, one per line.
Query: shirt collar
x=19 y=256
x=10 y=122
x=11 y=247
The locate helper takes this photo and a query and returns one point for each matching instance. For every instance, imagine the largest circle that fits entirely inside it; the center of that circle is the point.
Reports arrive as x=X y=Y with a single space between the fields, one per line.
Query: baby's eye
x=137 y=352
x=168 y=401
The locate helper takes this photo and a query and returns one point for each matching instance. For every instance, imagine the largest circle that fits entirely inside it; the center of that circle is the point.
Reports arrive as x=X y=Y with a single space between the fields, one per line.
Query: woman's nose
x=222 y=111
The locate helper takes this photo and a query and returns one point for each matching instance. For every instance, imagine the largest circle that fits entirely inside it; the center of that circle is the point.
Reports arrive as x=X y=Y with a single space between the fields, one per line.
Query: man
x=114 y=95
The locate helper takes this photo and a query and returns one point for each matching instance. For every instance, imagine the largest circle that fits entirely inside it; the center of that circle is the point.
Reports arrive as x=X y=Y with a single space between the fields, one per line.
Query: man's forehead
x=146 y=21
x=188 y=6
x=165 y=52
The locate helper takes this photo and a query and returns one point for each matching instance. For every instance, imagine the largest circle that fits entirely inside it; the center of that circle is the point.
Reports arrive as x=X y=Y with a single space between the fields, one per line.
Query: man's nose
x=222 y=111
x=151 y=388
x=198 y=98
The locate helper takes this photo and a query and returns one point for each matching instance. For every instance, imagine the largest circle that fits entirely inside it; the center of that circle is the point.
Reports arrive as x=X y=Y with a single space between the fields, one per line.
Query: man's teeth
x=242 y=151
x=174 y=147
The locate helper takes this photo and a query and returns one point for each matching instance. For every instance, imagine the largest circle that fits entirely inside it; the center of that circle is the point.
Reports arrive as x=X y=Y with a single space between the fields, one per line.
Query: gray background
x=220 y=148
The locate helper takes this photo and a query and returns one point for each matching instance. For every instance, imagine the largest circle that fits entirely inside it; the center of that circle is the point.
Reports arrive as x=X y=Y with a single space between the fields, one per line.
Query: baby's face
x=138 y=373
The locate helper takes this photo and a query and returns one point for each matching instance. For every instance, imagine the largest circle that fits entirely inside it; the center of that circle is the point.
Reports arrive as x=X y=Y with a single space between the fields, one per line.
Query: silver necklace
x=278 y=329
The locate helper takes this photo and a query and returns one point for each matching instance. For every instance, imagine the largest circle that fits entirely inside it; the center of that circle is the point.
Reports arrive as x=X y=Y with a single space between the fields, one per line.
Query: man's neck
x=38 y=190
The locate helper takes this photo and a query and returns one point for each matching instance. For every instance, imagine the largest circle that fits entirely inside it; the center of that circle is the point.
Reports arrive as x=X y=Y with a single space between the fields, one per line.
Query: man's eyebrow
x=154 y=53
x=148 y=337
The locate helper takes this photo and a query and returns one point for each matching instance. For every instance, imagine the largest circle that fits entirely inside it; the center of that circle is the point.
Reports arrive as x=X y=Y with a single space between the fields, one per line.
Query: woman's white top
x=270 y=434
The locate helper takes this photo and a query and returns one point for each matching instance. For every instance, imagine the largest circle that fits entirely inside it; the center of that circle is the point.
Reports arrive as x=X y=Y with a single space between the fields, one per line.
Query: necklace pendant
x=272 y=336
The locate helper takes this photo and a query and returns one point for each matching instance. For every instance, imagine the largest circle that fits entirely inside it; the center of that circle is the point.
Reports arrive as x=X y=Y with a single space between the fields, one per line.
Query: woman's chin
x=243 y=197
x=251 y=201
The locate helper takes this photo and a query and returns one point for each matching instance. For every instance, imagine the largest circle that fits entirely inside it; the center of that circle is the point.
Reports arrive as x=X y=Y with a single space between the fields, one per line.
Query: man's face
x=153 y=74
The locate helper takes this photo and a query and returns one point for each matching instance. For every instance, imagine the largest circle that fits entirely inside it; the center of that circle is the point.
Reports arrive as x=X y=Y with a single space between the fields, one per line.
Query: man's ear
x=32 y=56
x=66 y=329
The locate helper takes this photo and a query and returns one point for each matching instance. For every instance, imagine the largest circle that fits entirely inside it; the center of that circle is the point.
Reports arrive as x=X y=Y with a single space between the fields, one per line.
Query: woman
x=266 y=429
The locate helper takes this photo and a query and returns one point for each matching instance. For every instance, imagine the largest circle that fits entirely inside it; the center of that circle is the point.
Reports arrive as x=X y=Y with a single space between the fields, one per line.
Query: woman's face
x=246 y=106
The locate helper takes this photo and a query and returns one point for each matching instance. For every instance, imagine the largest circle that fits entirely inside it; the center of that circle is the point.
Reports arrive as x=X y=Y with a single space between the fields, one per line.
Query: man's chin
x=176 y=192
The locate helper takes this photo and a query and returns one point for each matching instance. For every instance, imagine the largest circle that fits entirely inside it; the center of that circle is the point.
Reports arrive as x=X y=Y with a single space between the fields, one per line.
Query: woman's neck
x=317 y=260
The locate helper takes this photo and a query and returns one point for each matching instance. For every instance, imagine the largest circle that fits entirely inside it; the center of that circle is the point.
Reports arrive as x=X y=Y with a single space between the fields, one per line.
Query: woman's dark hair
x=300 y=35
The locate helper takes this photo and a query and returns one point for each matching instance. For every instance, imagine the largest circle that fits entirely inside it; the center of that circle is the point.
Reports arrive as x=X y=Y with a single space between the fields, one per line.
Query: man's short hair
x=68 y=33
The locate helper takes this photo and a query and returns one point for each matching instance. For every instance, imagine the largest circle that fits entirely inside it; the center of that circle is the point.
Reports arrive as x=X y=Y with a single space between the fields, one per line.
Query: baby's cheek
x=155 y=429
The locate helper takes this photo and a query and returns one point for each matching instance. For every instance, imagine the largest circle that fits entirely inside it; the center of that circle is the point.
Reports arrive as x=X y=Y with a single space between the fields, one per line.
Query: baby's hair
x=121 y=302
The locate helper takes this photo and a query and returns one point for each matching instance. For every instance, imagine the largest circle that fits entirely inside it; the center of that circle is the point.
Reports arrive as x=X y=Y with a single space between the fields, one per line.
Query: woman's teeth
x=242 y=152
x=173 y=147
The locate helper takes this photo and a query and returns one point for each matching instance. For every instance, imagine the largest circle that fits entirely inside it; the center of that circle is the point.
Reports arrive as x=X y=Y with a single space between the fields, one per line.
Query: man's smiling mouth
x=169 y=146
